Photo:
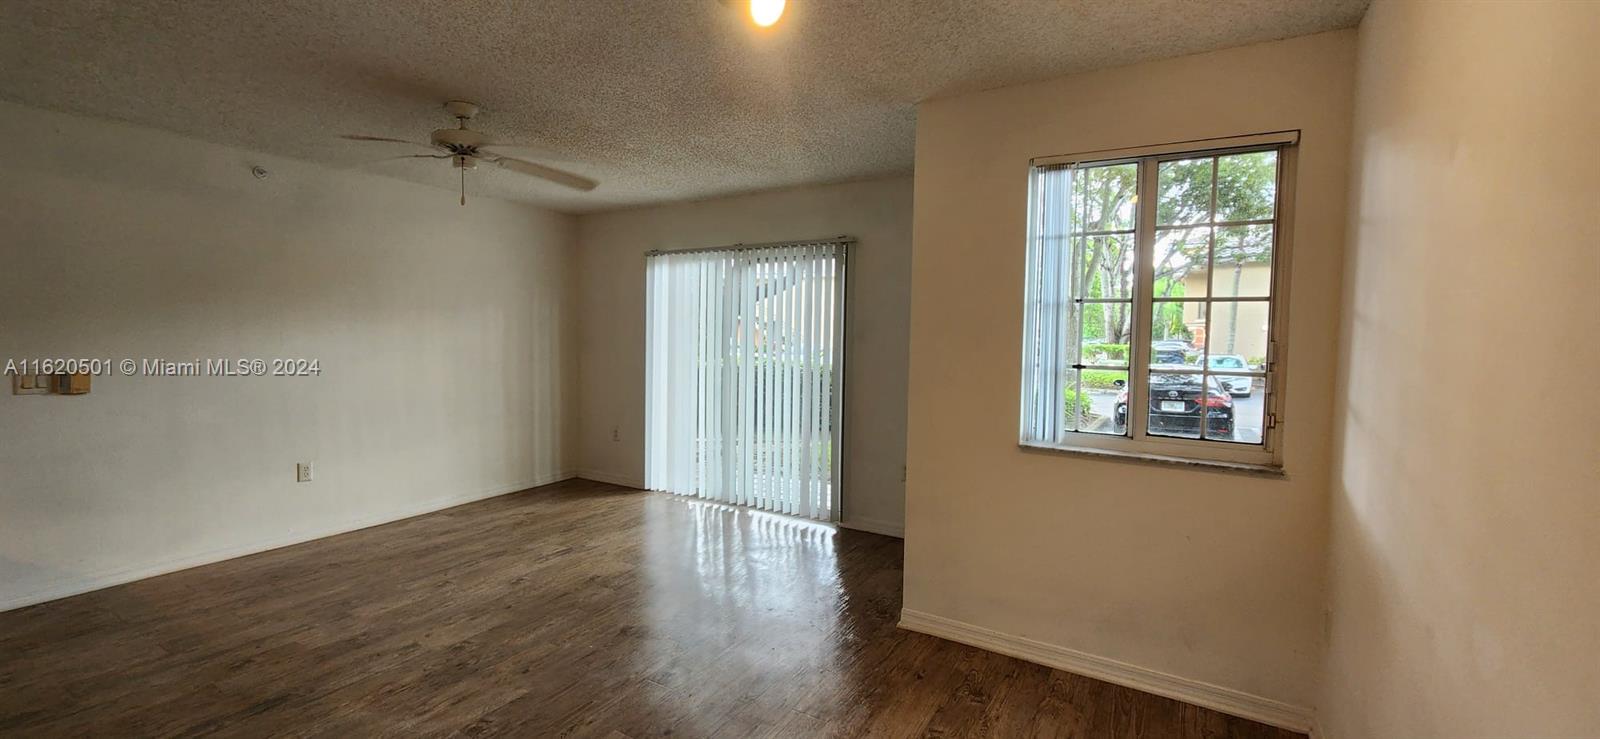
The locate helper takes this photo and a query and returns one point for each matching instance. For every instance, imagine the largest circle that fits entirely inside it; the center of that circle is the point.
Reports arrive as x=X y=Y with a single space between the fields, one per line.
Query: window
x=1155 y=277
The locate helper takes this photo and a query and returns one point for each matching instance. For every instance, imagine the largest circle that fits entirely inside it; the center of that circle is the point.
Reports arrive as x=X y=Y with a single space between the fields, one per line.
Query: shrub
x=1081 y=401
x=1118 y=352
x=1102 y=379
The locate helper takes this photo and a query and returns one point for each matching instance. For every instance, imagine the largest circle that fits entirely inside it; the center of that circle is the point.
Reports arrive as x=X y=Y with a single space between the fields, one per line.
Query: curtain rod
x=741 y=246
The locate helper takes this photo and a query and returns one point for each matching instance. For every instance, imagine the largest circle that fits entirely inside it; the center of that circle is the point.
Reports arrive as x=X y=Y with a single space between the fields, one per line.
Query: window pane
x=1247 y=186
x=1102 y=406
x=1069 y=387
x=1179 y=262
x=1237 y=336
x=1184 y=196
x=1105 y=266
x=1098 y=348
x=1172 y=332
x=1242 y=265
x=1181 y=402
x=1248 y=409
x=1102 y=197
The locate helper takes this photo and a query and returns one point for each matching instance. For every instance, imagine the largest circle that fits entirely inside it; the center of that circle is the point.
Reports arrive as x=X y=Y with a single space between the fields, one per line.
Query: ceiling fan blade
x=552 y=174
x=544 y=152
x=357 y=137
x=371 y=162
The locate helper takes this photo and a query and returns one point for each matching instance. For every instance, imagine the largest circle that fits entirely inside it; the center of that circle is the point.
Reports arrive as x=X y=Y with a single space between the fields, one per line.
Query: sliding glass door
x=744 y=377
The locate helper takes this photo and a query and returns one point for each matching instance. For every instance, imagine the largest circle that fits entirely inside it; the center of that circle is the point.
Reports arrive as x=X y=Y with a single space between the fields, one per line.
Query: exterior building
x=1236 y=328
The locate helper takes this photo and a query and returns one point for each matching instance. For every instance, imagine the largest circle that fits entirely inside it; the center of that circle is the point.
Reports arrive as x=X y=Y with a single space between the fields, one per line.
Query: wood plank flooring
x=578 y=609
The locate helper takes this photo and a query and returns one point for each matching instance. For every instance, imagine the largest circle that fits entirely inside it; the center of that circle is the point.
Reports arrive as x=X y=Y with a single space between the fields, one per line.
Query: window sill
x=1271 y=472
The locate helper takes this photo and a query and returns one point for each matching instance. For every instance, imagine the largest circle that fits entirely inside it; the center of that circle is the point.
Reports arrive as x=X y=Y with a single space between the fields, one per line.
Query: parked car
x=1178 y=402
x=1238 y=387
x=1169 y=352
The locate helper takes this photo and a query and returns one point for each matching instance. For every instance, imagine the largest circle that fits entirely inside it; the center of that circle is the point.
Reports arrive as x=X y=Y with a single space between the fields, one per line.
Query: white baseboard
x=88 y=582
x=1206 y=695
x=876 y=526
x=614 y=479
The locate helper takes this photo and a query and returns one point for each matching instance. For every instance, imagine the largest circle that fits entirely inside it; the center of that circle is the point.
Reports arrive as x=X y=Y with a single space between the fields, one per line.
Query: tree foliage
x=1104 y=200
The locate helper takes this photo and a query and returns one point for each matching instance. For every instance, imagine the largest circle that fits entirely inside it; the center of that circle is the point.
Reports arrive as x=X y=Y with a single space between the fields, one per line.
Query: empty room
x=795 y=368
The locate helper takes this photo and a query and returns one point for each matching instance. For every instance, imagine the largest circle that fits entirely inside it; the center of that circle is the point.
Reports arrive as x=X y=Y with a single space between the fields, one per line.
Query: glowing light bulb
x=766 y=12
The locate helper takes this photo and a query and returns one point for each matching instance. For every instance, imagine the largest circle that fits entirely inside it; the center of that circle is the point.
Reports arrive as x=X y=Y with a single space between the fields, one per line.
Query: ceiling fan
x=465 y=148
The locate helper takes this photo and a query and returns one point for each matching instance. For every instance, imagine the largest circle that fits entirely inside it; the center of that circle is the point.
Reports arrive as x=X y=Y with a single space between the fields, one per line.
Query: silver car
x=1238 y=387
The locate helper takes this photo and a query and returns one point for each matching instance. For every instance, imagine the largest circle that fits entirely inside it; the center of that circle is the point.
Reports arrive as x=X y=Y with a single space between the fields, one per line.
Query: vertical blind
x=743 y=365
x=1048 y=336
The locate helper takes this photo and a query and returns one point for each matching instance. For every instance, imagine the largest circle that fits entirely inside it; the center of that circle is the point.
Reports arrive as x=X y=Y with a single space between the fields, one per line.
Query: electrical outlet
x=302 y=472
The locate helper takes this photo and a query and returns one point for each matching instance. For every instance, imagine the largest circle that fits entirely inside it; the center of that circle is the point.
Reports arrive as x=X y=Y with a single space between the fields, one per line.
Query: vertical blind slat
x=1048 y=339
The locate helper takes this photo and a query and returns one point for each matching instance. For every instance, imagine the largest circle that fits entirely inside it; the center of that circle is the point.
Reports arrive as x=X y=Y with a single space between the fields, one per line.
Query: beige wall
x=1465 y=574
x=1207 y=576
x=611 y=255
x=444 y=335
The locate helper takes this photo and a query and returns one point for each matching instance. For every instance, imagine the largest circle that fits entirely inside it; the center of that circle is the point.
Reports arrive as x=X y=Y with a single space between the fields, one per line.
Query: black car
x=1178 y=405
x=1169 y=352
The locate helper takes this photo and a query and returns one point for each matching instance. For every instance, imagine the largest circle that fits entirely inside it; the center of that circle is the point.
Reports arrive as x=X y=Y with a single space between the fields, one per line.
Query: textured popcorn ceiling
x=658 y=99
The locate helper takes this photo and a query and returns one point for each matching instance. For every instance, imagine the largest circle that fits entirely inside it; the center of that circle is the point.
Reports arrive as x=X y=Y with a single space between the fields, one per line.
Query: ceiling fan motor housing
x=458 y=140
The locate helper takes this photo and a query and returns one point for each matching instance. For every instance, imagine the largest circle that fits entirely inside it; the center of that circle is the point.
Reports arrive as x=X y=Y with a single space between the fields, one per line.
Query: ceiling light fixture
x=766 y=12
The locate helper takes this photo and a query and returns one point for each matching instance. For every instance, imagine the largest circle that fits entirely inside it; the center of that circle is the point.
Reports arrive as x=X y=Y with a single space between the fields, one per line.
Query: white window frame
x=1136 y=441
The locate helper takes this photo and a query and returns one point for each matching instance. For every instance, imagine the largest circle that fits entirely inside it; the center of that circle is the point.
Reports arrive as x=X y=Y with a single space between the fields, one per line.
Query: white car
x=1239 y=387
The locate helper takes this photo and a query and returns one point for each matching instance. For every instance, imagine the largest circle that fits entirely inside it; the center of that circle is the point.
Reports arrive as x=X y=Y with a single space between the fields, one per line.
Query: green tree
x=1103 y=199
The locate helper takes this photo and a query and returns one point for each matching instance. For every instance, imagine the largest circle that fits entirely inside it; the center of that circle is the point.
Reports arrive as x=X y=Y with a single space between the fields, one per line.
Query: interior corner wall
x=1466 y=496
x=445 y=338
x=1209 y=579
x=611 y=258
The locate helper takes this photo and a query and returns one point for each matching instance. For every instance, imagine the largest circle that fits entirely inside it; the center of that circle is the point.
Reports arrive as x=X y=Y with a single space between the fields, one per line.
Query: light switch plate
x=302 y=472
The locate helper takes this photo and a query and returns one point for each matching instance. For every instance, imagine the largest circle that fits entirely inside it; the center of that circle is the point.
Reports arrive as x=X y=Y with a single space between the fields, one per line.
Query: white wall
x=611 y=258
x=1465 y=574
x=445 y=336
x=1209 y=577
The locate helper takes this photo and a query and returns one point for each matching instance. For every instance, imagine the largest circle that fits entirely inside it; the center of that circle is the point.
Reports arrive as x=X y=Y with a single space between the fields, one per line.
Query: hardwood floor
x=575 y=609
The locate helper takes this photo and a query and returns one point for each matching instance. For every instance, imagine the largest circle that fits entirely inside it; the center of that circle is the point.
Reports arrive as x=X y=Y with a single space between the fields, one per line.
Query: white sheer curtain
x=743 y=375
